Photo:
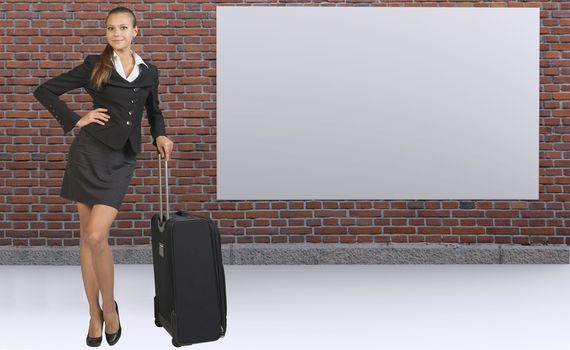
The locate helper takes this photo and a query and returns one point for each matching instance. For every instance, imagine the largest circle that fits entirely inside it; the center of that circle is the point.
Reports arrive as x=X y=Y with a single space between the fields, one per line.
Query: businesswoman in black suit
x=102 y=157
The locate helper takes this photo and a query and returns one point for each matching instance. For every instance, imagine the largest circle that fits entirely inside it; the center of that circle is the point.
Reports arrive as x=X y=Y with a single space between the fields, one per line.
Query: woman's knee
x=100 y=220
x=96 y=239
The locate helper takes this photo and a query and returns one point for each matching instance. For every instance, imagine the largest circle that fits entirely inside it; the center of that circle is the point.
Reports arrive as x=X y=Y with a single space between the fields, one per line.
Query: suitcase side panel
x=196 y=300
x=219 y=266
x=220 y=275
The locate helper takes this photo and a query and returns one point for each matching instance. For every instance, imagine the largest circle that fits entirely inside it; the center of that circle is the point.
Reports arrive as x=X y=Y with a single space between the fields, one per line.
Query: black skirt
x=96 y=173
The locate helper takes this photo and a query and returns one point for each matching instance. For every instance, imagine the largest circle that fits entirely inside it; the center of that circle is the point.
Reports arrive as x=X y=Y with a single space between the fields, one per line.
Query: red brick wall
x=41 y=40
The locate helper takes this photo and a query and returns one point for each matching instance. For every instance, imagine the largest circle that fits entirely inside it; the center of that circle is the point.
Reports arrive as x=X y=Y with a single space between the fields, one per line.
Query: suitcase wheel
x=175 y=343
x=157 y=322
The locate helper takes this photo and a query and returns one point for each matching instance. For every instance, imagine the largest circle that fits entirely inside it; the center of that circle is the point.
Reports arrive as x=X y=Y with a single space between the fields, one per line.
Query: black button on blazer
x=124 y=100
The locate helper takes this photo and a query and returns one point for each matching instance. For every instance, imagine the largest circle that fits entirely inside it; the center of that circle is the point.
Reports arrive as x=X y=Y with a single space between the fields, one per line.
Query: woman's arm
x=48 y=94
x=153 y=112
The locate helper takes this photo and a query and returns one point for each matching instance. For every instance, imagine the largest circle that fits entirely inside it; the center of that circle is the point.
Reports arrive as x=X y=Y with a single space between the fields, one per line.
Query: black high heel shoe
x=114 y=337
x=95 y=341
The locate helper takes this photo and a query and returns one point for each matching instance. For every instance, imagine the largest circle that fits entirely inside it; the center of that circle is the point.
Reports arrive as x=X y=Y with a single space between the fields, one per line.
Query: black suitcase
x=190 y=290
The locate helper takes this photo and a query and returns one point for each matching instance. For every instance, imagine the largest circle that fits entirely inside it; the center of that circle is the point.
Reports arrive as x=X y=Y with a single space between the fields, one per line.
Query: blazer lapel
x=144 y=78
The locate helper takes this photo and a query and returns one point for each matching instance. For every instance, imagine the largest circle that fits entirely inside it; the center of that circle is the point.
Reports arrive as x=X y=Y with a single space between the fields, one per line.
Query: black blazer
x=124 y=101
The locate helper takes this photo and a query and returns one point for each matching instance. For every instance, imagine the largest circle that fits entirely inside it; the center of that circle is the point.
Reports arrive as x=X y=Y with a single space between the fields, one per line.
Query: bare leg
x=89 y=278
x=100 y=221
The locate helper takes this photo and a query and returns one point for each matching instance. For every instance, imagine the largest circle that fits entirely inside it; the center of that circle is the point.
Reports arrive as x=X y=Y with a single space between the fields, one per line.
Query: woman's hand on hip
x=164 y=146
x=94 y=116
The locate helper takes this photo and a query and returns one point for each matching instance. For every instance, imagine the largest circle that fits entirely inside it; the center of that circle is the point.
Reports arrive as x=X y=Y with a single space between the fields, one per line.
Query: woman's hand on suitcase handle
x=94 y=116
x=164 y=146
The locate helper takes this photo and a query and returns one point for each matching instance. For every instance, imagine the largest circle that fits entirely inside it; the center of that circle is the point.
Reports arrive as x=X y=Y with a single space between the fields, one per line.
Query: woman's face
x=120 y=31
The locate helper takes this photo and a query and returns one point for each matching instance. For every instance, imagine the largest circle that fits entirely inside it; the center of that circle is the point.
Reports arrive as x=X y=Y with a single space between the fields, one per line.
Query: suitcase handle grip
x=162 y=219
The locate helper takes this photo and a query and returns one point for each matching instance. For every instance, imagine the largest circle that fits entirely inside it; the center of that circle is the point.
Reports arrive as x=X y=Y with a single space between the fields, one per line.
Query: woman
x=102 y=157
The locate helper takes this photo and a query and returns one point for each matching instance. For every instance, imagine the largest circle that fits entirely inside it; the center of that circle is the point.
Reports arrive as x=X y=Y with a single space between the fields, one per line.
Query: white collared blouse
x=119 y=66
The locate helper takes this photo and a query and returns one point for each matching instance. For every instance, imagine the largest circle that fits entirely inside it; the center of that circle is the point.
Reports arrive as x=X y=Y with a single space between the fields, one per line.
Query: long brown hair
x=104 y=67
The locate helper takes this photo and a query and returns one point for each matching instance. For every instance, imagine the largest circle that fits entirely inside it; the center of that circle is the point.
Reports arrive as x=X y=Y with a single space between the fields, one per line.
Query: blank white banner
x=351 y=103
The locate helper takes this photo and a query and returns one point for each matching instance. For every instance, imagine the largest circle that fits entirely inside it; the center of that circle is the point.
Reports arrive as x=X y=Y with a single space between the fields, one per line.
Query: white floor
x=388 y=307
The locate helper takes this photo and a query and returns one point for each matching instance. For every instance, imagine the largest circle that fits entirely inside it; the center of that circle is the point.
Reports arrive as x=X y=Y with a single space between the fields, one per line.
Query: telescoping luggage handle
x=162 y=220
